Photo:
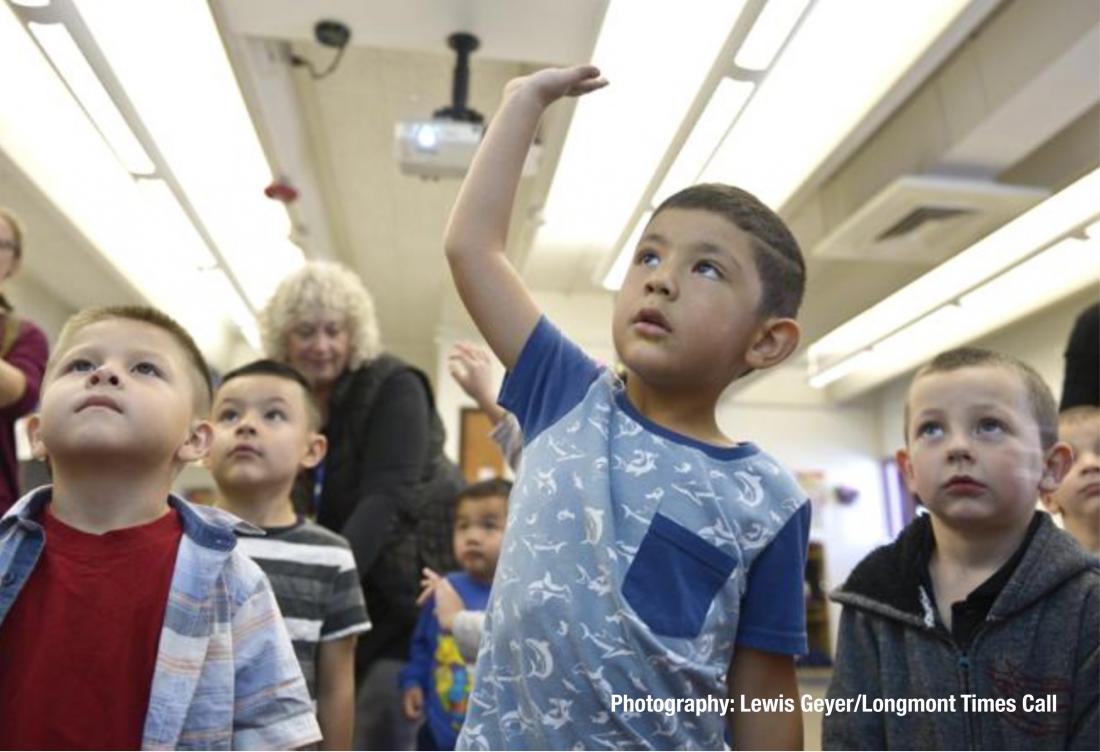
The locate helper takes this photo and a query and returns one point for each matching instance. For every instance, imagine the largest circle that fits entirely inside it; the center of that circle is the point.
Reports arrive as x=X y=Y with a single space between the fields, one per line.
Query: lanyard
x=318 y=487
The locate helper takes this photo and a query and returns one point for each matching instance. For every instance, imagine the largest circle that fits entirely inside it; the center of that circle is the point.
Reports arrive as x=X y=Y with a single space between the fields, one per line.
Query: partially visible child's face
x=974 y=455
x=1078 y=496
x=686 y=313
x=262 y=434
x=479 y=529
x=120 y=390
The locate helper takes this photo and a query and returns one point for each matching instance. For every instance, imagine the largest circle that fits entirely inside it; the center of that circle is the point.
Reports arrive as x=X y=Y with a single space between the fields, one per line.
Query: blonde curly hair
x=318 y=288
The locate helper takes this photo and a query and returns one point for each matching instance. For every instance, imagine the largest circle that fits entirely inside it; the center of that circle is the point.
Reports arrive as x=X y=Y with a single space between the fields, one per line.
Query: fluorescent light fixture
x=31 y=3
x=721 y=111
x=165 y=217
x=1044 y=223
x=841 y=369
x=615 y=276
x=920 y=336
x=843 y=59
x=769 y=32
x=924 y=335
x=619 y=136
x=50 y=138
x=179 y=80
x=1059 y=271
x=84 y=83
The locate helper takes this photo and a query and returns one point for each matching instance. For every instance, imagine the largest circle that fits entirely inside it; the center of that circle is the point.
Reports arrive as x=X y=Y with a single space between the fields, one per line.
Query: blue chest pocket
x=674 y=578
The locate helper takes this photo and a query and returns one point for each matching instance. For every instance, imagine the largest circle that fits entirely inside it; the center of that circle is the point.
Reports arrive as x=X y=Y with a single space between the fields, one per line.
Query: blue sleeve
x=550 y=377
x=418 y=670
x=474 y=595
x=773 y=610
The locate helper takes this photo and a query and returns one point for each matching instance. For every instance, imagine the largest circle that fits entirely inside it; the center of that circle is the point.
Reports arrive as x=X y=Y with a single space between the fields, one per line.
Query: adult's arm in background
x=21 y=371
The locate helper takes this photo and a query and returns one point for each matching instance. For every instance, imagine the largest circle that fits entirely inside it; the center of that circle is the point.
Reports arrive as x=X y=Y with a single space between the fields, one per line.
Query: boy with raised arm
x=128 y=619
x=646 y=552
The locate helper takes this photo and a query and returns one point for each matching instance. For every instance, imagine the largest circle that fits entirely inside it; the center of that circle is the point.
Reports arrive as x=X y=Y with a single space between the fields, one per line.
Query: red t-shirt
x=79 y=646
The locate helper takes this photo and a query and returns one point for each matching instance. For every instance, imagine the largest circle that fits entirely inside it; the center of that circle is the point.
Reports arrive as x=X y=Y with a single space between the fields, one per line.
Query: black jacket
x=384 y=474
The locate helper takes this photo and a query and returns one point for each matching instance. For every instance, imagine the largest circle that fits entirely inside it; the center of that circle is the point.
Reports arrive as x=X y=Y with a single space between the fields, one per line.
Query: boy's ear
x=905 y=465
x=776 y=339
x=315 y=450
x=1056 y=465
x=34 y=434
x=1050 y=504
x=198 y=442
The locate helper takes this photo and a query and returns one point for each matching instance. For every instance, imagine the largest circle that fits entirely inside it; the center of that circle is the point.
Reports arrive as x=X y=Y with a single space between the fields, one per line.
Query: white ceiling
x=389 y=226
x=1013 y=99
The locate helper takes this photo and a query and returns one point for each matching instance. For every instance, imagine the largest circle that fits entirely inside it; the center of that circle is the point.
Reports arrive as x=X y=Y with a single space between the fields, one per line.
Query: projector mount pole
x=463 y=44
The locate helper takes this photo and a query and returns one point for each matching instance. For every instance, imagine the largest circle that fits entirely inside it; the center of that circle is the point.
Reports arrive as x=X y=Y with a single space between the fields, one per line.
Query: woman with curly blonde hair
x=385 y=455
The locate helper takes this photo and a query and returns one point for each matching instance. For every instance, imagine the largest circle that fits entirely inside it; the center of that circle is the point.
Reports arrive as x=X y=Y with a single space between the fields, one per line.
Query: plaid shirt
x=226 y=676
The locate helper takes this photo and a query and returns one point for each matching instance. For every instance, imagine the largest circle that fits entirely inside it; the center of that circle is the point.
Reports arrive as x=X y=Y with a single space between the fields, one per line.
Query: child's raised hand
x=551 y=84
x=471 y=367
x=447 y=603
x=428 y=580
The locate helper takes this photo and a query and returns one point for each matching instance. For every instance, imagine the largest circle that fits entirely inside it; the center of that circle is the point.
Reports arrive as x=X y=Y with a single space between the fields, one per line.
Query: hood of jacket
x=887 y=581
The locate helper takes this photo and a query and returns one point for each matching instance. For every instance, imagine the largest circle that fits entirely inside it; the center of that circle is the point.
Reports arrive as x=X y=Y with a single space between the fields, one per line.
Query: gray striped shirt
x=313 y=575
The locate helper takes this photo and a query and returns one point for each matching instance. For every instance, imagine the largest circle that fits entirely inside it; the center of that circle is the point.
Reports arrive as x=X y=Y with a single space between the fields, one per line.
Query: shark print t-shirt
x=634 y=561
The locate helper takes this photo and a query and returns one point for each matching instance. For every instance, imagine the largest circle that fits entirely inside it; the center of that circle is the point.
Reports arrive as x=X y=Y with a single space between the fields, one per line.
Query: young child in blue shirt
x=647 y=553
x=436 y=682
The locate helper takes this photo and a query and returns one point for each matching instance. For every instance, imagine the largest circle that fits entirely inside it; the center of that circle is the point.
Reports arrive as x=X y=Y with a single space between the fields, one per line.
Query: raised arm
x=477 y=233
x=471 y=369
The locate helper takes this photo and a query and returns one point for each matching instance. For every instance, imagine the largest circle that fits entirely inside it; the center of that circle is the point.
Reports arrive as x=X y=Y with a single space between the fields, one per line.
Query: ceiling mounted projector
x=444 y=146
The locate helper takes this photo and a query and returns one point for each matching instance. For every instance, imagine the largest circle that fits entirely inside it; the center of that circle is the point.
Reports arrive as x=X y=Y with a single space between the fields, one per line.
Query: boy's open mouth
x=652 y=321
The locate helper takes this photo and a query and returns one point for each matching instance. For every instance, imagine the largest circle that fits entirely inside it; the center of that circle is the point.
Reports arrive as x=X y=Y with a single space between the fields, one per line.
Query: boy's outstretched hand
x=551 y=84
x=477 y=235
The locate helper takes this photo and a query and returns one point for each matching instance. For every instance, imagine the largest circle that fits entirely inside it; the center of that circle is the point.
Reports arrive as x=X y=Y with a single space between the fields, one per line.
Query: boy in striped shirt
x=266 y=429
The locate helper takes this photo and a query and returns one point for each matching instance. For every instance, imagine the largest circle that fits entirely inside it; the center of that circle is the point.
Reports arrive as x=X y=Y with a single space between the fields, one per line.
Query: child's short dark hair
x=204 y=390
x=268 y=367
x=778 y=258
x=1043 y=407
x=485 y=489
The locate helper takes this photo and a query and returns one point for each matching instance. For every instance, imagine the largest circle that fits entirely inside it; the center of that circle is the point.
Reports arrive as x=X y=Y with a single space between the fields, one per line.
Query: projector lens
x=426 y=137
